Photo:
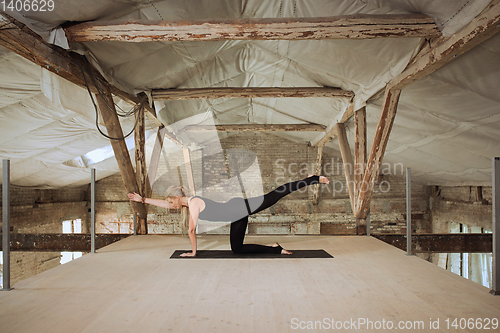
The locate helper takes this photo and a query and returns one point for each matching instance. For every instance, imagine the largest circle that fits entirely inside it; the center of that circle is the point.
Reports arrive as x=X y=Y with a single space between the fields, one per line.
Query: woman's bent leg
x=237 y=236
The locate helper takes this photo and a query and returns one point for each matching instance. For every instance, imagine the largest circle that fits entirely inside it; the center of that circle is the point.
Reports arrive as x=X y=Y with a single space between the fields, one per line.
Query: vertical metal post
x=408 y=211
x=135 y=224
x=92 y=210
x=368 y=224
x=6 y=224
x=496 y=227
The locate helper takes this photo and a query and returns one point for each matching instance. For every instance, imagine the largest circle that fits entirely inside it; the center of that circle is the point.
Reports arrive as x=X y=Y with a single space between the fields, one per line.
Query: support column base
x=361 y=229
x=142 y=226
x=495 y=292
x=6 y=289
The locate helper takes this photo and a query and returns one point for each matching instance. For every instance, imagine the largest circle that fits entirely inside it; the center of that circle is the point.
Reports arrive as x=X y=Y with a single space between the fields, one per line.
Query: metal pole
x=408 y=211
x=6 y=225
x=496 y=227
x=368 y=224
x=92 y=210
x=135 y=224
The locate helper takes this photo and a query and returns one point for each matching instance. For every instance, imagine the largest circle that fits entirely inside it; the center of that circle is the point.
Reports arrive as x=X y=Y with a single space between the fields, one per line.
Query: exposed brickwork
x=43 y=211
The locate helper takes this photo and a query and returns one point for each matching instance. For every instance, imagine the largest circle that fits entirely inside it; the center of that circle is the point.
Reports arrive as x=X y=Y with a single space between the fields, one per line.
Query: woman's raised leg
x=260 y=203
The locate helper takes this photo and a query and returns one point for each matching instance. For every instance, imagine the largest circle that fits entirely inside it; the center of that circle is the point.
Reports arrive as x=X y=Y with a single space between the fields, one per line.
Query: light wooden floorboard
x=133 y=286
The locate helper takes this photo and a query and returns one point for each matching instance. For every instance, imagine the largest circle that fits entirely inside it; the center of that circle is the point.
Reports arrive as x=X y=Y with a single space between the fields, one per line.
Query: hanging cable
x=137 y=108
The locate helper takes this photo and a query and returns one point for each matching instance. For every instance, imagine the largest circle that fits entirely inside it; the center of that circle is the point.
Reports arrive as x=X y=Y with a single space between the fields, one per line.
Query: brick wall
x=458 y=204
x=43 y=211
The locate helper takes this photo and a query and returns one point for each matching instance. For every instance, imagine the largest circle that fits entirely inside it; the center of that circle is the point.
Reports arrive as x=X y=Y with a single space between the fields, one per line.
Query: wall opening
x=71 y=227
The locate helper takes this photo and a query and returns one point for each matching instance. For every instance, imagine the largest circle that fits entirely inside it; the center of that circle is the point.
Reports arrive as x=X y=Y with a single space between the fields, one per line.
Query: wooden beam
x=140 y=166
x=60 y=242
x=256 y=128
x=345 y=151
x=359 y=26
x=377 y=151
x=477 y=31
x=155 y=157
x=359 y=151
x=319 y=164
x=441 y=243
x=255 y=92
x=331 y=133
x=112 y=123
x=21 y=40
x=189 y=171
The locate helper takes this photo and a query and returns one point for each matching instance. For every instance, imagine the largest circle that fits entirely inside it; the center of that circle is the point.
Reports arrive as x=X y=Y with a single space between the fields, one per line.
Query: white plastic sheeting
x=446 y=127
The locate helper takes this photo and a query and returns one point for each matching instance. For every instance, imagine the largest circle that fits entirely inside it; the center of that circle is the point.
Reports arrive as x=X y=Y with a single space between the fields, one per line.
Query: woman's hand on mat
x=134 y=197
x=188 y=254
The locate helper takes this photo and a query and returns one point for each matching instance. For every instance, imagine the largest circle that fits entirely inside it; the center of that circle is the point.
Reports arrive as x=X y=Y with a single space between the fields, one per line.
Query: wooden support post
x=345 y=150
x=140 y=164
x=319 y=163
x=359 y=151
x=189 y=170
x=112 y=123
x=377 y=151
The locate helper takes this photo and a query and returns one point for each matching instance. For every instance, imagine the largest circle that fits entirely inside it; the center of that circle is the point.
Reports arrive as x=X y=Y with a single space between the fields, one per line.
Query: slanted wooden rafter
x=484 y=26
x=345 y=151
x=189 y=170
x=18 y=38
x=155 y=158
x=254 y=92
x=319 y=164
x=331 y=133
x=444 y=50
x=256 y=128
x=359 y=26
x=112 y=123
x=377 y=151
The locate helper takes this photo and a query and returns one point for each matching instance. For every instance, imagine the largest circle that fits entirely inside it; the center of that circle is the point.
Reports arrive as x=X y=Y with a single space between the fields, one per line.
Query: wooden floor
x=133 y=286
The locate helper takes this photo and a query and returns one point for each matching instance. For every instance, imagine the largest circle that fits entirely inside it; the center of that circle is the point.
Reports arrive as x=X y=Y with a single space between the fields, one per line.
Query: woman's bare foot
x=322 y=179
x=283 y=251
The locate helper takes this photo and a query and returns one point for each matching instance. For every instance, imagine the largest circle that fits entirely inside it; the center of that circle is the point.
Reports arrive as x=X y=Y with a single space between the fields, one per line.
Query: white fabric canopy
x=446 y=128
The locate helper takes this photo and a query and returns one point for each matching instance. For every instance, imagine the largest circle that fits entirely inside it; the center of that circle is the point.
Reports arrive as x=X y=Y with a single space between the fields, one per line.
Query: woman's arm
x=155 y=202
x=194 y=211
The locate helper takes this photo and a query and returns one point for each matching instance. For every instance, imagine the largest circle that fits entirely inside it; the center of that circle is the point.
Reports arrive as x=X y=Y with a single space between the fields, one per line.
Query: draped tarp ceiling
x=446 y=128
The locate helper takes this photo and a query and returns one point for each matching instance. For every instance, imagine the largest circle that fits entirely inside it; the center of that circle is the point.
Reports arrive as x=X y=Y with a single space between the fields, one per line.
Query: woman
x=235 y=211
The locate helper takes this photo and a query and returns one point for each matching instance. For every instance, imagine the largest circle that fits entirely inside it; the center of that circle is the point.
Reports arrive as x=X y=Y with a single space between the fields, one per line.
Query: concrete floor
x=133 y=286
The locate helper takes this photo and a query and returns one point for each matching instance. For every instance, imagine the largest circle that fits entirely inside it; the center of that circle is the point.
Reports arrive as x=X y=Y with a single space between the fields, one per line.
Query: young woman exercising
x=235 y=211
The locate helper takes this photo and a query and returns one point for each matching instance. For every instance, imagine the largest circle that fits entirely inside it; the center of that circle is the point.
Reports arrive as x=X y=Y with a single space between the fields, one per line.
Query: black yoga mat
x=227 y=254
